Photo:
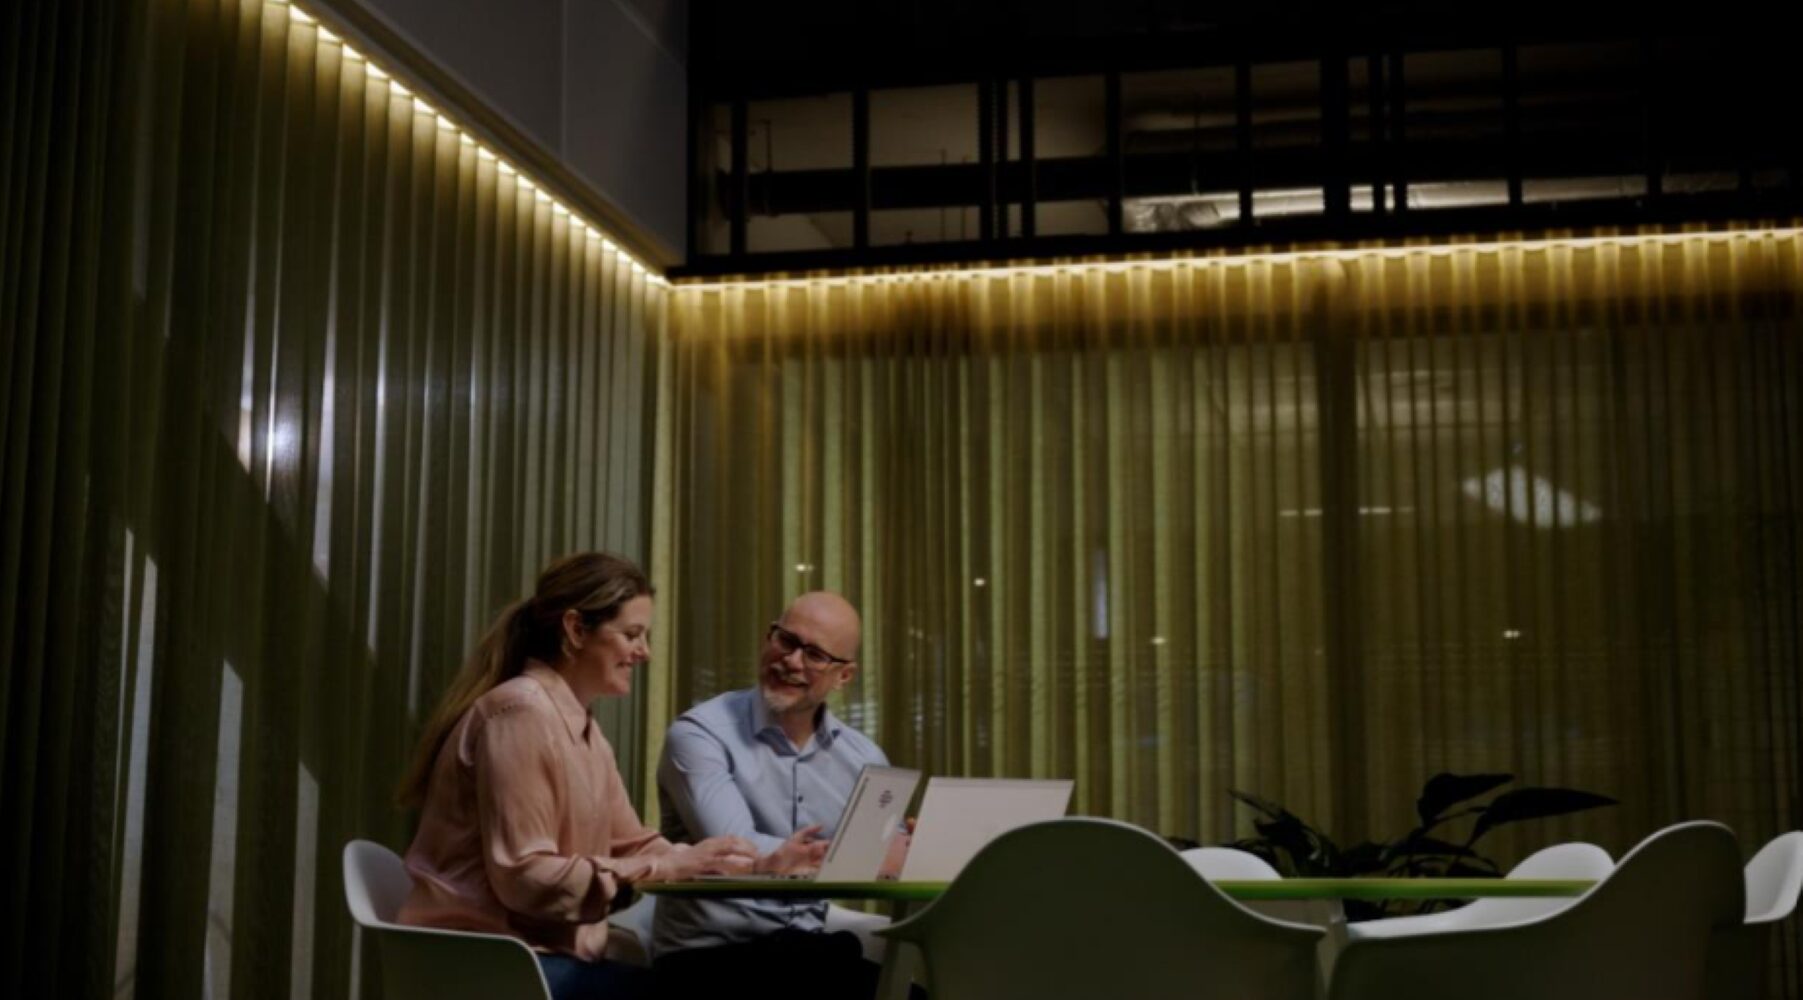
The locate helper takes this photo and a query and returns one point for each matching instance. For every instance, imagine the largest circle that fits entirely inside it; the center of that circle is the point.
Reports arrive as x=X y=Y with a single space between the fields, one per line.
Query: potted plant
x=1299 y=850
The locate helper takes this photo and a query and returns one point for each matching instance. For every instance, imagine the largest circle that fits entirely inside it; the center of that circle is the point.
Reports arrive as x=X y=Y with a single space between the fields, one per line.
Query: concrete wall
x=601 y=83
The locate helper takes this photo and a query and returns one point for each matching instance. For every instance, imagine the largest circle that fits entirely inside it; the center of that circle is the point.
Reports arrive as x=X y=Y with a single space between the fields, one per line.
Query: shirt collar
x=575 y=716
x=826 y=724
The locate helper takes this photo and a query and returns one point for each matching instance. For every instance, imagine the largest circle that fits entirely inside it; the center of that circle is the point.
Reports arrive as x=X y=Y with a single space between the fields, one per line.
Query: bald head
x=794 y=678
x=829 y=620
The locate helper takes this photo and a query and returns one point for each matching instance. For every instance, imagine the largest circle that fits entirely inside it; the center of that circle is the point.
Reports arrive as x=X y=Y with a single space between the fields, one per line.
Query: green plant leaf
x=1328 y=861
x=1420 y=845
x=1445 y=790
x=1265 y=806
x=1362 y=859
x=1460 y=869
x=1445 y=866
x=1289 y=835
x=1535 y=803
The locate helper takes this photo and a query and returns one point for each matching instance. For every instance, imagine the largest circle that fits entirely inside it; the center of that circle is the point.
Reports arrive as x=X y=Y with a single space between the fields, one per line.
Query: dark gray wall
x=601 y=83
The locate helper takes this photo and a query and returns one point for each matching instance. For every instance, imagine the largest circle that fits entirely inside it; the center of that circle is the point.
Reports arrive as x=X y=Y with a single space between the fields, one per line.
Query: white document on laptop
x=870 y=821
x=958 y=816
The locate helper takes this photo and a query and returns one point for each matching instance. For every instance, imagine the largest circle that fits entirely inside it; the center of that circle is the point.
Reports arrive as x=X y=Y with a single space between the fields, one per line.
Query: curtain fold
x=300 y=386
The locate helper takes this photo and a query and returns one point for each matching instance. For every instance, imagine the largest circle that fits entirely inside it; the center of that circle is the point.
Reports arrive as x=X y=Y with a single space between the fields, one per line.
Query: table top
x=1289 y=888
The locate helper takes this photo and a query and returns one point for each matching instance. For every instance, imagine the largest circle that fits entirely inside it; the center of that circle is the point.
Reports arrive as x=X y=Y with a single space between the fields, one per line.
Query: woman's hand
x=713 y=856
x=800 y=854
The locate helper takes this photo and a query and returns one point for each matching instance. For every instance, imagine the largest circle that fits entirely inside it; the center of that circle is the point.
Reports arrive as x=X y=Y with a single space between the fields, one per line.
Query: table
x=900 y=961
x=1289 y=888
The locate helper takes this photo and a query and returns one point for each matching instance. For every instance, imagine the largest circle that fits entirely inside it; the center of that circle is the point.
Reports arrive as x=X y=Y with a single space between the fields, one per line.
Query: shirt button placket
x=795 y=909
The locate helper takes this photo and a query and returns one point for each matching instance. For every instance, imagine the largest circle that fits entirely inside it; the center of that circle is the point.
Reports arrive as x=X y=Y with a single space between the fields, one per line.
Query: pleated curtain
x=1311 y=526
x=299 y=390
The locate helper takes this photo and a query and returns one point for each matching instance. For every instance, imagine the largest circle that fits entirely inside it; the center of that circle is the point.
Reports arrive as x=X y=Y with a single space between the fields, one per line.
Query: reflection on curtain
x=299 y=388
x=1314 y=526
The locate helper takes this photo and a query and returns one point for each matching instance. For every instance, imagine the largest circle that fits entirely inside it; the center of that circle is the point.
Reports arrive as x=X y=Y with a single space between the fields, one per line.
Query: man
x=772 y=765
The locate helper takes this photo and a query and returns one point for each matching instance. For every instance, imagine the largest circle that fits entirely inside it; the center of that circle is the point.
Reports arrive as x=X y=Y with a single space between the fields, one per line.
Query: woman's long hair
x=595 y=584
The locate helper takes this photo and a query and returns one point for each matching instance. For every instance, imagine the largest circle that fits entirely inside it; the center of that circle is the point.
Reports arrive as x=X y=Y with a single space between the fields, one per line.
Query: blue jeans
x=574 y=979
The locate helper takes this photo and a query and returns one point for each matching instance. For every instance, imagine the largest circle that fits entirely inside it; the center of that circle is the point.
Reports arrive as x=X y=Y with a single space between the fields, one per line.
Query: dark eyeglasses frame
x=812 y=655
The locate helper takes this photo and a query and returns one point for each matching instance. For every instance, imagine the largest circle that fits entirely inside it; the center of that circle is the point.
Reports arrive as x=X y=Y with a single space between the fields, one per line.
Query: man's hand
x=897 y=853
x=800 y=854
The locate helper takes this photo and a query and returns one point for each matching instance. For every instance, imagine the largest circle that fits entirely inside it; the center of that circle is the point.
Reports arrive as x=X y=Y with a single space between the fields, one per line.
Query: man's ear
x=846 y=673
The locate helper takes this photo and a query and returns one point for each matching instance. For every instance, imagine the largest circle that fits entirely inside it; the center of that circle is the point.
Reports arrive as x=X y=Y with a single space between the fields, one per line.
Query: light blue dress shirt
x=728 y=768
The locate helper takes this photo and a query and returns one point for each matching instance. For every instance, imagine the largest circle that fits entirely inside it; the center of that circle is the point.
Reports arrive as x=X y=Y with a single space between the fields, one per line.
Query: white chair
x=1227 y=864
x=1642 y=934
x=865 y=926
x=1230 y=864
x=424 y=963
x=629 y=933
x=1739 y=956
x=1575 y=860
x=1095 y=908
x=1775 y=879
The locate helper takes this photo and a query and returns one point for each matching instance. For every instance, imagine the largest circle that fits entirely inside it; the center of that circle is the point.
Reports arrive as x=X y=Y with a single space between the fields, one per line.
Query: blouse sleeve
x=519 y=769
x=629 y=836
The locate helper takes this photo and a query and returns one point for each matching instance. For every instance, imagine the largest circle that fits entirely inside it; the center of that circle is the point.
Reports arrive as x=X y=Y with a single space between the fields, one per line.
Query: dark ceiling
x=750 y=49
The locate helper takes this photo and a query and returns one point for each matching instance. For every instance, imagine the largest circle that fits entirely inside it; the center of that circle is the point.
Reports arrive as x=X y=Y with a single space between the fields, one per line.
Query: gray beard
x=765 y=693
x=769 y=697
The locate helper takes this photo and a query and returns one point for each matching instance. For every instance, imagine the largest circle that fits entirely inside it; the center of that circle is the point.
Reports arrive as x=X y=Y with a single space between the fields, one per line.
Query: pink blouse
x=526 y=828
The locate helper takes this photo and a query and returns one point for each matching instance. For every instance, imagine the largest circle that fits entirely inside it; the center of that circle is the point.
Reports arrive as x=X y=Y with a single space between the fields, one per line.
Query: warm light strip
x=446 y=124
x=1240 y=260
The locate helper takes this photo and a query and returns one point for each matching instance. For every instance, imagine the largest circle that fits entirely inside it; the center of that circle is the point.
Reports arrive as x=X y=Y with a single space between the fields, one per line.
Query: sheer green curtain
x=1040 y=502
x=1578 y=543
x=1314 y=526
x=299 y=388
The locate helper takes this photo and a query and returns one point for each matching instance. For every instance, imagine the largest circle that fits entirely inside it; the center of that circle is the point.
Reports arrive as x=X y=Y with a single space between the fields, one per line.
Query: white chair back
x=376 y=883
x=1560 y=861
x=1643 y=933
x=1095 y=908
x=1775 y=879
x=1739 y=957
x=1230 y=864
x=1227 y=864
x=426 y=963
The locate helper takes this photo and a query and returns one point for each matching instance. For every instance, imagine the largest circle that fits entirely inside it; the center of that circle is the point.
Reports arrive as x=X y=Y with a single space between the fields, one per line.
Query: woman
x=525 y=827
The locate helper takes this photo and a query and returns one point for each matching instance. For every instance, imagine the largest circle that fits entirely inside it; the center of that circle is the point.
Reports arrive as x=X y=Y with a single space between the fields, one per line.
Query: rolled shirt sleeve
x=727 y=768
x=695 y=775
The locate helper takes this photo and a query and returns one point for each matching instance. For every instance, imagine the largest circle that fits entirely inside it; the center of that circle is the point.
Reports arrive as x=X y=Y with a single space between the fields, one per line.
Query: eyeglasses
x=815 y=657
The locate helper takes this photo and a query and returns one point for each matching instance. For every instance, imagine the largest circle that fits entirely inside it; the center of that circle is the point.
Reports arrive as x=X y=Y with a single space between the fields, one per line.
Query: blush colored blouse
x=526 y=828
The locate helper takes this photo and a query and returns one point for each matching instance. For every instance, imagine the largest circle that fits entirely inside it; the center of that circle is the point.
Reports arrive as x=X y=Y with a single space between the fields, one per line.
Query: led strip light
x=421 y=106
x=1198 y=262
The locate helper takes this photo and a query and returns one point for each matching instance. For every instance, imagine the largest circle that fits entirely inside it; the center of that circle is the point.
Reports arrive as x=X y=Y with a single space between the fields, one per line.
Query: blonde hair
x=595 y=584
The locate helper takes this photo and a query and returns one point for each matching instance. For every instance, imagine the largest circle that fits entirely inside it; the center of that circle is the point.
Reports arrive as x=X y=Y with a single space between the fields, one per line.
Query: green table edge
x=1404 y=888
x=1289 y=888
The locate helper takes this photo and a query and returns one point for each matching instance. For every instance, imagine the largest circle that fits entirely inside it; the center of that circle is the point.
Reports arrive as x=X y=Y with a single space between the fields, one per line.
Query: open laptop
x=872 y=817
x=958 y=816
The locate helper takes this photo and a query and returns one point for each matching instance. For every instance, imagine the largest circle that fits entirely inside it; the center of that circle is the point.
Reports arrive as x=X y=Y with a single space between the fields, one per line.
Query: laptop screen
x=871 y=819
x=958 y=816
